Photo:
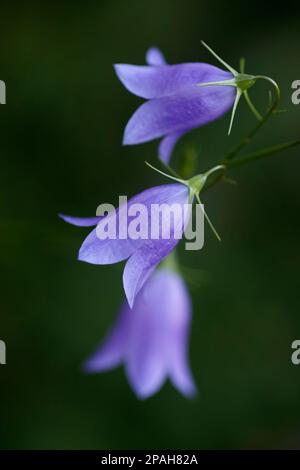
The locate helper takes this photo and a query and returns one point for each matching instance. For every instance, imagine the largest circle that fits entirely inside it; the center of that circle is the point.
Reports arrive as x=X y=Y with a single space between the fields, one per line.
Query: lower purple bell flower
x=176 y=102
x=151 y=340
x=142 y=255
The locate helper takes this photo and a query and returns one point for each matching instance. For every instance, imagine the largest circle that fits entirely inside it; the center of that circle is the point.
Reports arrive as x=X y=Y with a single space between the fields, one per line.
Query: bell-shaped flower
x=160 y=214
x=151 y=340
x=143 y=253
x=180 y=97
x=176 y=103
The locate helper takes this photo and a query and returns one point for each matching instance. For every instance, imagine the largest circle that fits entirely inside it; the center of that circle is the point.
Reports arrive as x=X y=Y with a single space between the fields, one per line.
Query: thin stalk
x=236 y=102
x=227 y=66
x=236 y=150
x=208 y=219
x=169 y=168
x=179 y=180
x=267 y=152
x=251 y=106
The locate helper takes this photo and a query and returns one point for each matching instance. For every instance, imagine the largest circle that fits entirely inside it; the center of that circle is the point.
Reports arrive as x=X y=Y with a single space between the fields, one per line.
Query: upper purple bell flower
x=143 y=254
x=176 y=103
x=152 y=338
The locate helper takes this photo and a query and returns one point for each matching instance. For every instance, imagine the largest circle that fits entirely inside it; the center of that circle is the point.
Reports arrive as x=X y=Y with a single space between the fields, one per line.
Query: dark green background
x=61 y=151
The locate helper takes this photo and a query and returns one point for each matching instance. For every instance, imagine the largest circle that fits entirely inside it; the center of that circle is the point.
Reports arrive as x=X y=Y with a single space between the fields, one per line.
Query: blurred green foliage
x=61 y=151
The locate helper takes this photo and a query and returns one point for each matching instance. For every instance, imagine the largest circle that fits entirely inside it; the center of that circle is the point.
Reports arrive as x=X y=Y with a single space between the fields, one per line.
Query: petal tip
x=130 y=136
x=142 y=391
x=88 y=367
x=131 y=288
x=117 y=69
x=155 y=57
x=187 y=389
x=143 y=395
x=62 y=216
x=82 y=256
x=130 y=298
x=126 y=139
x=191 y=393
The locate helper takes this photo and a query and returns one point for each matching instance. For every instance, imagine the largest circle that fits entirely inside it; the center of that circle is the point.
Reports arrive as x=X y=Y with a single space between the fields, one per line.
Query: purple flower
x=142 y=255
x=176 y=103
x=152 y=338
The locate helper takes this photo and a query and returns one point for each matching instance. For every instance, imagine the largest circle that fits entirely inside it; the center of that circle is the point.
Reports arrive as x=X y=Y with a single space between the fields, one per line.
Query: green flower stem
x=266 y=152
x=170 y=261
x=236 y=150
x=251 y=106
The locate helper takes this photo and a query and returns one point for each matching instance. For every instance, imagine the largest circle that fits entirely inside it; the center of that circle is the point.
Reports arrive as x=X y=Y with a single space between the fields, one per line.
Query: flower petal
x=155 y=57
x=167 y=145
x=137 y=270
x=108 y=251
x=181 y=375
x=146 y=366
x=80 y=221
x=178 y=312
x=185 y=110
x=155 y=82
x=169 y=229
x=141 y=265
x=112 y=350
x=158 y=339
